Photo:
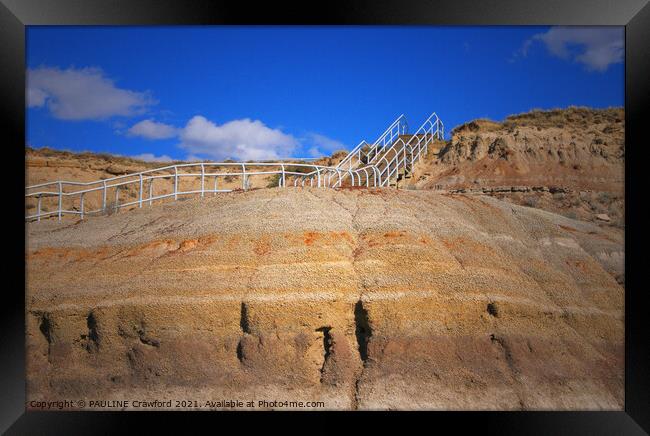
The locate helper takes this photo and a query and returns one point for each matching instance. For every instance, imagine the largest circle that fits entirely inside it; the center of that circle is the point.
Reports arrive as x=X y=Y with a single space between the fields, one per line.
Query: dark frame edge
x=637 y=90
x=12 y=344
x=12 y=31
x=420 y=12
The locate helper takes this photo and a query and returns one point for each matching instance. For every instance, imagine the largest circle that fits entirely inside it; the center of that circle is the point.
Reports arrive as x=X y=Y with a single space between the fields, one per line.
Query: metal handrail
x=431 y=128
x=67 y=189
x=372 y=174
x=387 y=141
x=424 y=134
x=398 y=127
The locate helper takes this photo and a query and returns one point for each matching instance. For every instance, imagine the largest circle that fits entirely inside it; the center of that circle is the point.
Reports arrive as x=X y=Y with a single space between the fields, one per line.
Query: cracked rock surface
x=368 y=299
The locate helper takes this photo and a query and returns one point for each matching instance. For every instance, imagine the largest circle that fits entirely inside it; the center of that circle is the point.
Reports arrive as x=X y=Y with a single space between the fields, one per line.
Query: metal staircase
x=392 y=157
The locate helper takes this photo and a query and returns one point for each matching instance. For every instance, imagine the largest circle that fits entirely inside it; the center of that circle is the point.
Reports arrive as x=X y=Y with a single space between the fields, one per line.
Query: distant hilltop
x=574 y=147
x=568 y=161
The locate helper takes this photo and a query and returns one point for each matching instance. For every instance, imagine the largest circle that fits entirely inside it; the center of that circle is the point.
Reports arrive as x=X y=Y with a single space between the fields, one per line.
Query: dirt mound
x=369 y=299
x=48 y=165
x=566 y=138
x=578 y=150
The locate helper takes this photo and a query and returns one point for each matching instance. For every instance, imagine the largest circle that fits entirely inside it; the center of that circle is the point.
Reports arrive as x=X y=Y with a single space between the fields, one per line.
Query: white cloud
x=150 y=129
x=243 y=139
x=150 y=157
x=595 y=47
x=325 y=143
x=322 y=145
x=36 y=97
x=522 y=52
x=315 y=152
x=82 y=94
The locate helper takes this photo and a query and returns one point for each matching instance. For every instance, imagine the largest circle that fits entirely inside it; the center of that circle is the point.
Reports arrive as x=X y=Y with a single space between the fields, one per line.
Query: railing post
x=104 y=196
x=215 y=185
x=60 y=199
x=284 y=185
x=151 y=191
x=386 y=180
x=175 y=182
x=318 y=171
x=140 y=193
x=38 y=209
x=82 y=205
x=243 y=176
x=202 y=180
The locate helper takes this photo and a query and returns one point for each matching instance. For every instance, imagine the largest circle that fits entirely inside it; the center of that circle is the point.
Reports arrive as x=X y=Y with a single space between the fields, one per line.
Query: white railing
x=364 y=152
x=406 y=154
x=144 y=183
x=384 y=160
x=399 y=156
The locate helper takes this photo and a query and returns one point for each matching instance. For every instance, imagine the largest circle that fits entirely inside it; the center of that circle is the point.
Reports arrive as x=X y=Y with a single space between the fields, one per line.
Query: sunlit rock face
x=361 y=299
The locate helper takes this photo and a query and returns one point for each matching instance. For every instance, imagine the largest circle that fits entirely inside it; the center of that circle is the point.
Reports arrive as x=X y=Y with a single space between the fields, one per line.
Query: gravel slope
x=359 y=298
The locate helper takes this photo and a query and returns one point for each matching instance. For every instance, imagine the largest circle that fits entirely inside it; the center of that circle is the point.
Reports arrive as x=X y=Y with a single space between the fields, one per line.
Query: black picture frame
x=633 y=14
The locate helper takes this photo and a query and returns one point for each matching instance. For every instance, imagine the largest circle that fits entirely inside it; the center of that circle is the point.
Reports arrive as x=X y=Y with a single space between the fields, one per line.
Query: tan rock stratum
x=567 y=161
x=361 y=299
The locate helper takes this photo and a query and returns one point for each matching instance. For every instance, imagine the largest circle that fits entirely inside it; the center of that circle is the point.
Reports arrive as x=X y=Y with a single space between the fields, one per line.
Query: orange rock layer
x=359 y=299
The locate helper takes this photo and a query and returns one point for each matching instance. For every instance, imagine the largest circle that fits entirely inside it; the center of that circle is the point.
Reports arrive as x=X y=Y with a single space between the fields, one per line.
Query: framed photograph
x=407 y=207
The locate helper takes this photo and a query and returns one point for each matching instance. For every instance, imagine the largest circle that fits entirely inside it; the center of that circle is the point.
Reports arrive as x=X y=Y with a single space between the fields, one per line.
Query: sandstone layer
x=577 y=152
x=361 y=299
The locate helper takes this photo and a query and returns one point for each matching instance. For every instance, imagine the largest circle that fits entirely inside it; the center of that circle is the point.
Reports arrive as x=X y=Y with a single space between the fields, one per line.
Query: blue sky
x=266 y=92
